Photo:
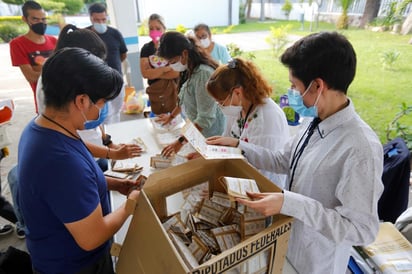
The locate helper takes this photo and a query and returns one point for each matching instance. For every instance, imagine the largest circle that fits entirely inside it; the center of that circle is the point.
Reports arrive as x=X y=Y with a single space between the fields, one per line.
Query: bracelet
x=107 y=154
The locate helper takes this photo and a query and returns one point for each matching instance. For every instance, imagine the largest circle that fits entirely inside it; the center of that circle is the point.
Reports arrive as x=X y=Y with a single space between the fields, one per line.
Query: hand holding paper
x=238 y=187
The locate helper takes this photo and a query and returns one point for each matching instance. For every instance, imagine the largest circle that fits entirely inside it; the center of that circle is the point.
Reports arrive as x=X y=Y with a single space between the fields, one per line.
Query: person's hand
x=164 y=118
x=222 y=141
x=134 y=195
x=125 y=151
x=267 y=204
x=171 y=149
x=124 y=186
x=193 y=155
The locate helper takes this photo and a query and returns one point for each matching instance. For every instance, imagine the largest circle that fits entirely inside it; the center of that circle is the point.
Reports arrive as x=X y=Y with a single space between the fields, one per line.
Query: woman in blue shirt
x=63 y=192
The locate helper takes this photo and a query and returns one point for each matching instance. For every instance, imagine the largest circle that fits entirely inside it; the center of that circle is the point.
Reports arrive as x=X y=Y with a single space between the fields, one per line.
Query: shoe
x=20 y=233
x=6 y=229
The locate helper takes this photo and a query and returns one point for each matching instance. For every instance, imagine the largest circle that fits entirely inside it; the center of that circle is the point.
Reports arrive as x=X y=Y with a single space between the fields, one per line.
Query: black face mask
x=39 y=28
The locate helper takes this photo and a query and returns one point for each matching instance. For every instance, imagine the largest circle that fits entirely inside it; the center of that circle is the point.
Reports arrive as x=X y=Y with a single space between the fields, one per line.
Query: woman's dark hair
x=239 y=72
x=158 y=18
x=73 y=71
x=202 y=26
x=71 y=36
x=173 y=43
x=327 y=55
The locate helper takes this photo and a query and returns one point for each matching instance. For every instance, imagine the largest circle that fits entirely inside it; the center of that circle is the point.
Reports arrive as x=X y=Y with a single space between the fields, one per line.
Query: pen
x=367 y=259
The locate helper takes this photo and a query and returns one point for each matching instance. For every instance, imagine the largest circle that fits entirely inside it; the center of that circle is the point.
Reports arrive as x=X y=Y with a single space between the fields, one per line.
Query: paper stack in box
x=148 y=248
x=391 y=252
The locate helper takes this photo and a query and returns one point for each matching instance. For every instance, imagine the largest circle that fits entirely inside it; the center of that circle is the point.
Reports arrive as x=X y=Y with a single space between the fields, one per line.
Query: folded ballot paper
x=125 y=166
x=237 y=187
x=198 y=141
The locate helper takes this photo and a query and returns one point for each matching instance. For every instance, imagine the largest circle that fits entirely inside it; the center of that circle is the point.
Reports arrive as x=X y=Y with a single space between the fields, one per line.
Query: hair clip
x=69 y=30
x=232 y=64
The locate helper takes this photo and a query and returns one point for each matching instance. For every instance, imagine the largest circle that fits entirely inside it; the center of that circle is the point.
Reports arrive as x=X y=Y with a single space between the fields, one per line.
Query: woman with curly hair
x=253 y=118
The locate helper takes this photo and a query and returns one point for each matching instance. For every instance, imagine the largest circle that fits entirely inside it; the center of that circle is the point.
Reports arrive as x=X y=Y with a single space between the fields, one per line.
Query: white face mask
x=231 y=111
x=205 y=43
x=178 y=66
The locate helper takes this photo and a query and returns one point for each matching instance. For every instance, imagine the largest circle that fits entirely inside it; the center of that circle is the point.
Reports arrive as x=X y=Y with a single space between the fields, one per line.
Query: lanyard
x=297 y=153
x=242 y=122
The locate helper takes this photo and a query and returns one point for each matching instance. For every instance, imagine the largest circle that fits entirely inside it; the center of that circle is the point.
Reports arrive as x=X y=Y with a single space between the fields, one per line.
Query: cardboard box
x=148 y=249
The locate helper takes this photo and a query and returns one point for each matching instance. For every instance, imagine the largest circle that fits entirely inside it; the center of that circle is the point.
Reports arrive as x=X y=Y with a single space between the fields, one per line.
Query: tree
x=287 y=8
x=92 y=1
x=343 y=21
x=262 y=10
x=370 y=12
x=407 y=25
x=249 y=8
x=14 y=2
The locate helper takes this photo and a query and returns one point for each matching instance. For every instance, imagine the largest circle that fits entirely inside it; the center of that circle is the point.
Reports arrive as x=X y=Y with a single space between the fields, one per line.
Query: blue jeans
x=14 y=185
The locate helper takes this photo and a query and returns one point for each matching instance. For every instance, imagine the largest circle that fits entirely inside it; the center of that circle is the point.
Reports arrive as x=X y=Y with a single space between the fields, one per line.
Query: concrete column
x=123 y=16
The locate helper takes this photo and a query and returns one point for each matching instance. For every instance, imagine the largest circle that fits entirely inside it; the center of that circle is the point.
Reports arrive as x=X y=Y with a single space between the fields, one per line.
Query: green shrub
x=8 y=31
x=181 y=28
x=242 y=13
x=228 y=29
x=14 y=19
x=287 y=8
x=278 y=39
x=389 y=58
x=143 y=28
x=234 y=50
x=397 y=129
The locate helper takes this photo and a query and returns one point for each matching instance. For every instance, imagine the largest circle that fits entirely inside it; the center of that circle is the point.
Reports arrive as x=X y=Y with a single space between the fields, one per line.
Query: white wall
x=190 y=12
x=274 y=11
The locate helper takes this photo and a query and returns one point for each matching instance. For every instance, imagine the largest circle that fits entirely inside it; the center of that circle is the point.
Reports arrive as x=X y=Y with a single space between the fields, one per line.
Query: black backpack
x=15 y=261
x=395 y=177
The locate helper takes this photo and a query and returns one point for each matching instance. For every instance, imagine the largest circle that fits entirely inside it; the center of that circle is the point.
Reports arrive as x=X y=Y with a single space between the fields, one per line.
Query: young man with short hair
x=334 y=166
x=116 y=52
x=30 y=51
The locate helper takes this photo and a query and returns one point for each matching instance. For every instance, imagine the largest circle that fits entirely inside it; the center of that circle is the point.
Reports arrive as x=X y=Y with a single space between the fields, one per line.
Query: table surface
x=125 y=132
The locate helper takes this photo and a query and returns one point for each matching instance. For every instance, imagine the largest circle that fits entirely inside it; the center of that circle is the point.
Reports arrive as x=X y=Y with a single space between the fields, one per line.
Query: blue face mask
x=90 y=124
x=296 y=102
x=100 y=28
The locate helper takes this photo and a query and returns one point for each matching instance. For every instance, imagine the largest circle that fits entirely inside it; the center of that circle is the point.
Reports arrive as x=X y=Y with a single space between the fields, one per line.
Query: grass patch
x=377 y=93
x=255 y=25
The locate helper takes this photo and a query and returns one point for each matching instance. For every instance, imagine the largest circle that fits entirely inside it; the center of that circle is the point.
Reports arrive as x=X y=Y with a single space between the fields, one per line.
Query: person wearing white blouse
x=253 y=119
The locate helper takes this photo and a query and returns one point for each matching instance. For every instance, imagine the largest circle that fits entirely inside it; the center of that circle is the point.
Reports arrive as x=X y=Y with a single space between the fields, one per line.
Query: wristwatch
x=182 y=140
x=107 y=140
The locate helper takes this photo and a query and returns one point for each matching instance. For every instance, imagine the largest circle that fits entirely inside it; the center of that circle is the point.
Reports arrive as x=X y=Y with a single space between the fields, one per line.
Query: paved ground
x=13 y=85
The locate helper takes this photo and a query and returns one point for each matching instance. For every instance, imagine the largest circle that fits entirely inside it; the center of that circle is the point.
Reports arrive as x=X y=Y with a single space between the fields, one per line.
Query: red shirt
x=24 y=51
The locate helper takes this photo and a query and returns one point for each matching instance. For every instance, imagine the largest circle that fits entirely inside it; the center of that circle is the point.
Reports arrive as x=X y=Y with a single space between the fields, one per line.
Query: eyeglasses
x=222 y=103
